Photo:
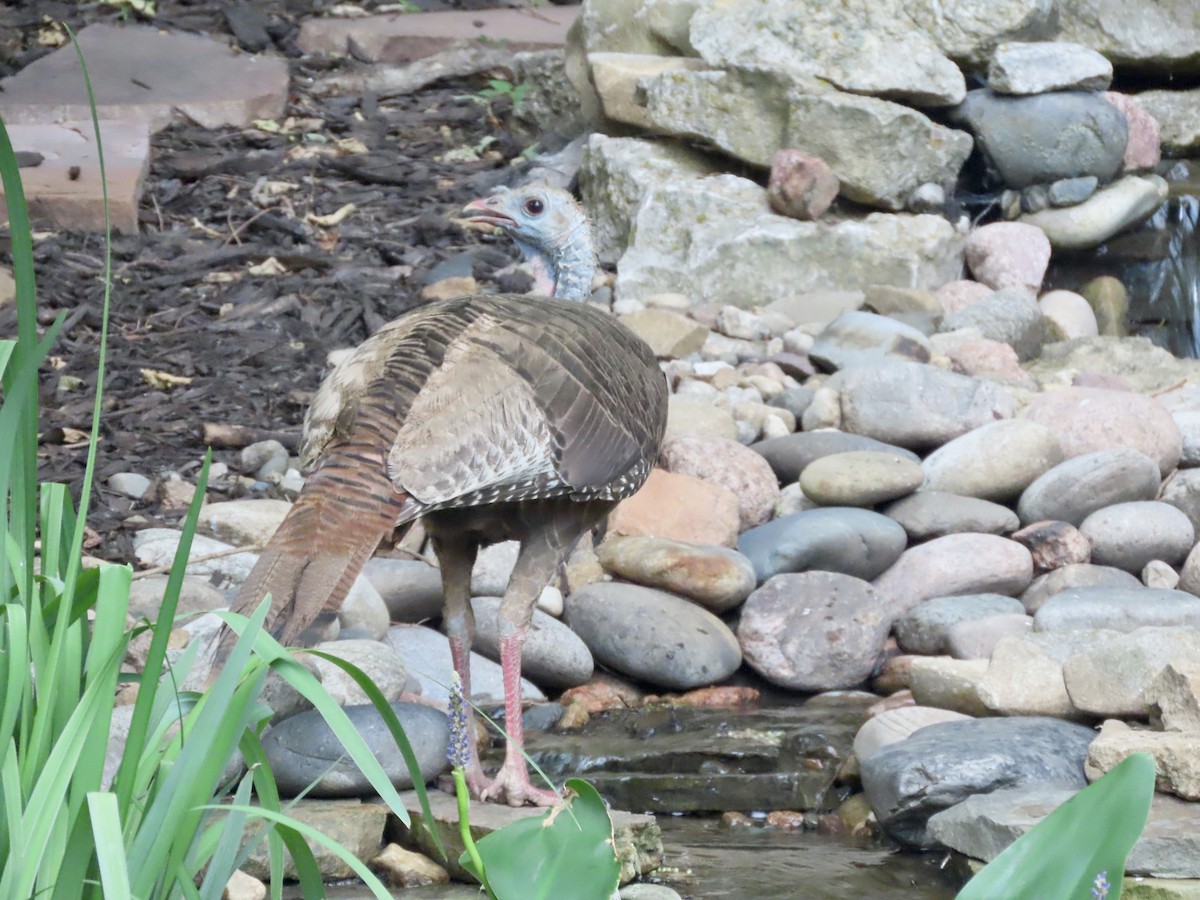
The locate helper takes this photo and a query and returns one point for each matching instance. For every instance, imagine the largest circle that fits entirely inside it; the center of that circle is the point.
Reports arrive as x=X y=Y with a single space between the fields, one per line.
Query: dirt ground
x=251 y=347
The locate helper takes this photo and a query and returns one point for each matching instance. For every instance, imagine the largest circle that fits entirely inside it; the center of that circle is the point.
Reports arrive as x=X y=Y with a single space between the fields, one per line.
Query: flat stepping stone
x=141 y=72
x=64 y=190
x=405 y=37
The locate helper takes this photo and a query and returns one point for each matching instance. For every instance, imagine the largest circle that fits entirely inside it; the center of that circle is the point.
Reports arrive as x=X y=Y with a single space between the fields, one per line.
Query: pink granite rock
x=679 y=508
x=801 y=186
x=1143 y=150
x=730 y=465
x=986 y=357
x=957 y=295
x=1008 y=254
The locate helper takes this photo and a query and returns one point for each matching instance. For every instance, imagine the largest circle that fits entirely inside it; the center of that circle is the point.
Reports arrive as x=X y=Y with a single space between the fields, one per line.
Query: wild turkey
x=491 y=417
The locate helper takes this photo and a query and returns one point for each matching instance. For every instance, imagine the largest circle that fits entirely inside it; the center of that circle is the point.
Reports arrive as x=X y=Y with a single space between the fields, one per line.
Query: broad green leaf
x=1085 y=839
x=568 y=852
x=110 y=851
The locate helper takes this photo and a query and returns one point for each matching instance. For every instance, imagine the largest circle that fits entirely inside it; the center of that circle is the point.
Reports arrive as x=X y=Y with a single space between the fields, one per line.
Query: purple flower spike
x=459 y=750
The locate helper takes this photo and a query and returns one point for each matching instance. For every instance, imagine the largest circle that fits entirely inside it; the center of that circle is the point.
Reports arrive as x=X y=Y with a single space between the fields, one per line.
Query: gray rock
x=1039 y=139
x=195 y=595
x=157 y=547
x=1182 y=490
x=816 y=631
x=1075 y=575
x=851 y=541
x=1114 y=679
x=925 y=628
x=426 y=654
x=971 y=35
x=917 y=406
x=381 y=663
x=1074 y=489
x=242 y=522
x=794 y=400
x=717 y=578
x=863 y=338
x=1072 y=191
x=1129 y=535
x=617 y=173
x=932 y=514
x=1107 y=212
x=942 y=765
x=715 y=240
x=131 y=484
x=994 y=462
x=303 y=750
x=1011 y=316
x=1036 y=68
x=1121 y=609
x=411 y=588
x=894 y=725
x=1175 y=113
x=956 y=564
x=984 y=825
x=977 y=638
x=553 y=655
x=790 y=455
x=363 y=613
x=653 y=636
x=1163 y=38
x=1024 y=675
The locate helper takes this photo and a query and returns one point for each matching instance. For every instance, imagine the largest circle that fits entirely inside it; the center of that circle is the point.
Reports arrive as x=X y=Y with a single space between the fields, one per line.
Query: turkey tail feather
x=311 y=562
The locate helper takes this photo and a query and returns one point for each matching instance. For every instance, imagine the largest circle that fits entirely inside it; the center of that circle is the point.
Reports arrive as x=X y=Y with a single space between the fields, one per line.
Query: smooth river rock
x=303 y=749
x=930 y=514
x=1077 y=487
x=860 y=478
x=1121 y=609
x=895 y=725
x=653 y=636
x=730 y=465
x=1087 y=420
x=852 y=541
x=925 y=627
x=956 y=564
x=814 y=631
x=1075 y=575
x=859 y=338
x=715 y=577
x=791 y=454
x=942 y=765
x=1130 y=535
x=553 y=655
x=426 y=654
x=993 y=462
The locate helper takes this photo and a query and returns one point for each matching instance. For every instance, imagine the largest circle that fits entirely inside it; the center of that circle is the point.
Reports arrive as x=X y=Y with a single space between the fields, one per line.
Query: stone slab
x=404 y=37
x=141 y=72
x=65 y=191
x=637 y=837
x=8 y=286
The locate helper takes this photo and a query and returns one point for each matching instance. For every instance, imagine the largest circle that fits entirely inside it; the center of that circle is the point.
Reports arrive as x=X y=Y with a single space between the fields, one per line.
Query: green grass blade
x=110 y=850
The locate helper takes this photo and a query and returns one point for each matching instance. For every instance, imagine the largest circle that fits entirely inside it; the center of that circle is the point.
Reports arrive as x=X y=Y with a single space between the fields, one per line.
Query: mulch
x=250 y=348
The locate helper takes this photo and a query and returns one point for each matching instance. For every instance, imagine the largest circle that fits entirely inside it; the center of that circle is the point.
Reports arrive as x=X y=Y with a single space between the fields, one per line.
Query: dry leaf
x=75 y=436
x=269 y=266
x=351 y=145
x=163 y=381
x=222 y=277
x=334 y=218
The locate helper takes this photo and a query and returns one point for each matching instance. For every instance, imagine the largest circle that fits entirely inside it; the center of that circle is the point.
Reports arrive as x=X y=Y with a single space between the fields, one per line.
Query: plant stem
x=464 y=825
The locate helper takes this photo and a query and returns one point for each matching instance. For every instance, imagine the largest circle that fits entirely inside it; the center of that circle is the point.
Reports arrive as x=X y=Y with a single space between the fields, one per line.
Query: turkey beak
x=483 y=215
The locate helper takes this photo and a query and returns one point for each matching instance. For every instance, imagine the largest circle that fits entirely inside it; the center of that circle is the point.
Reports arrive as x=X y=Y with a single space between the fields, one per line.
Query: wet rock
x=800 y=186
x=1109 y=301
x=426 y=653
x=925 y=628
x=717 y=578
x=679 y=508
x=1010 y=316
x=896 y=725
x=1006 y=255
x=931 y=514
x=303 y=750
x=1022 y=137
x=814 y=631
x=1129 y=535
x=956 y=564
x=790 y=455
x=1115 y=678
x=918 y=406
x=1121 y=609
x=860 y=478
x=730 y=465
x=411 y=588
x=1036 y=68
x=977 y=638
x=381 y=663
x=1109 y=211
x=944 y=764
x=1078 y=487
x=837 y=539
x=553 y=655
x=1054 y=545
x=662 y=639
x=862 y=338
x=993 y=462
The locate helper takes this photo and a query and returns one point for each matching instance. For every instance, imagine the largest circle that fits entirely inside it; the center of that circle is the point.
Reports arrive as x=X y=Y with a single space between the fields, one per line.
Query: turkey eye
x=534 y=206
